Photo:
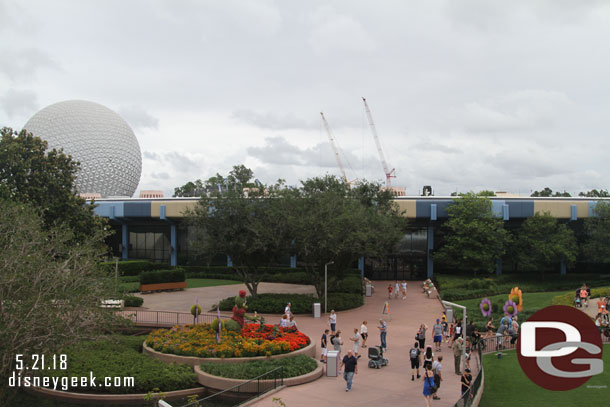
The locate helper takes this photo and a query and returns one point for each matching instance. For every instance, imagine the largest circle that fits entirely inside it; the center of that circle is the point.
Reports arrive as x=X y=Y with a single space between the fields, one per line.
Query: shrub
x=162 y=276
x=300 y=303
x=292 y=366
x=350 y=284
x=133 y=267
x=133 y=301
x=120 y=356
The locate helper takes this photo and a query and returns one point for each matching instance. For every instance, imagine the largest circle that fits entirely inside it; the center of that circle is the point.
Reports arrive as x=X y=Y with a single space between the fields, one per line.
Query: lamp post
x=326 y=285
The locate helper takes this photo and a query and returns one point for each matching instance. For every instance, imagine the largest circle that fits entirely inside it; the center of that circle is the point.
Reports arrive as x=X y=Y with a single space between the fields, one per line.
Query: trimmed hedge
x=162 y=276
x=292 y=366
x=133 y=267
x=133 y=301
x=300 y=303
x=119 y=356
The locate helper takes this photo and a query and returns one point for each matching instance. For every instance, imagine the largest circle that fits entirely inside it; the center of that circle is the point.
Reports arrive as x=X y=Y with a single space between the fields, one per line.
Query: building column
x=125 y=241
x=499 y=266
x=430 y=248
x=562 y=269
x=173 y=255
x=293 y=261
x=361 y=266
x=229 y=261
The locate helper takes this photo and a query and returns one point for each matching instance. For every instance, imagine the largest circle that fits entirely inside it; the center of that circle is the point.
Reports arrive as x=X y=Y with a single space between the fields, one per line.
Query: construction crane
x=388 y=173
x=334 y=146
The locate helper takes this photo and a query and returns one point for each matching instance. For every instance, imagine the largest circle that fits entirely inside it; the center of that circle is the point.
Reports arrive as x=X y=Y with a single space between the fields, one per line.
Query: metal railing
x=476 y=366
x=167 y=318
x=244 y=392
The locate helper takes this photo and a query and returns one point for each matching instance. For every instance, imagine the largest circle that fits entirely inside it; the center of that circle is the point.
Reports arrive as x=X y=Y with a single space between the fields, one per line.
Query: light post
x=326 y=285
x=453 y=305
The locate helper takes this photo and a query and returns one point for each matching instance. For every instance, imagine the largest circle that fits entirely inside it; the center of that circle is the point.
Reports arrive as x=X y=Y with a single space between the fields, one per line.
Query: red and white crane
x=334 y=146
x=388 y=173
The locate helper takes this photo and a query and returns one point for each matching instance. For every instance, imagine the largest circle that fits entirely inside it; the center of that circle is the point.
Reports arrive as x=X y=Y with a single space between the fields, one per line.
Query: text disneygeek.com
x=65 y=383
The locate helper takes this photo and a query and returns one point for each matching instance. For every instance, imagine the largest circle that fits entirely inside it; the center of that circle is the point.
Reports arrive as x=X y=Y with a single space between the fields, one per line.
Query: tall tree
x=190 y=189
x=597 y=229
x=594 y=193
x=45 y=180
x=548 y=192
x=248 y=225
x=542 y=241
x=50 y=288
x=476 y=238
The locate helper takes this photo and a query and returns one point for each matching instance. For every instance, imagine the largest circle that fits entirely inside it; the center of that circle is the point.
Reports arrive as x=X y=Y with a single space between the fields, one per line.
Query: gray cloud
x=23 y=64
x=17 y=101
x=271 y=120
x=151 y=155
x=180 y=162
x=137 y=117
x=160 y=175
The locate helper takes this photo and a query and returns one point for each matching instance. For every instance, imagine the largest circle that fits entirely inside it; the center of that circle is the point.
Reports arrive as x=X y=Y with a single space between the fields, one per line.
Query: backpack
x=331 y=339
x=414 y=353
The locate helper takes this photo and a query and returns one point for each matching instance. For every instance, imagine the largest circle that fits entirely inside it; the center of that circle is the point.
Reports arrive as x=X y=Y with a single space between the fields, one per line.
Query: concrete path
x=390 y=385
x=182 y=301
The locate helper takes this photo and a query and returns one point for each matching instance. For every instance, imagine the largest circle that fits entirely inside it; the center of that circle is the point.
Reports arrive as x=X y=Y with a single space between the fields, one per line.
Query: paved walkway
x=390 y=385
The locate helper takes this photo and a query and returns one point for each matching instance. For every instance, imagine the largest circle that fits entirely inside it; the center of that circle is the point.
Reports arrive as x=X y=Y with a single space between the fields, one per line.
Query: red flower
x=242 y=293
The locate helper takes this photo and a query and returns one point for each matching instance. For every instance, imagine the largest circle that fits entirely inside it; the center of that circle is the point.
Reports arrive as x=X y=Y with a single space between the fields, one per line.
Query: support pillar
x=562 y=269
x=173 y=255
x=499 y=266
x=430 y=248
x=229 y=261
x=293 y=261
x=361 y=266
x=125 y=241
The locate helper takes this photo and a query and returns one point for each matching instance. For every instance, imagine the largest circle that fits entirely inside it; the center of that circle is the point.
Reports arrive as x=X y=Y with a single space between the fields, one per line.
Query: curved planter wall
x=309 y=350
x=118 y=399
x=221 y=383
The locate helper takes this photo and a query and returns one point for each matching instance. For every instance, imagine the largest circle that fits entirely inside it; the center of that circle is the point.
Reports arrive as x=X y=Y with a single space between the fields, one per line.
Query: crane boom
x=334 y=146
x=388 y=173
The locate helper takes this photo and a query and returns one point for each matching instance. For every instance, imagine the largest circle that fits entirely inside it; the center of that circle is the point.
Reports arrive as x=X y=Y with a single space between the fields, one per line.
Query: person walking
x=458 y=351
x=514 y=331
x=428 y=385
x=421 y=335
x=396 y=289
x=364 y=333
x=428 y=357
x=437 y=368
x=390 y=291
x=351 y=368
x=404 y=289
x=356 y=338
x=324 y=346
x=287 y=310
x=466 y=381
x=383 y=331
x=414 y=355
x=337 y=341
x=437 y=332
x=332 y=320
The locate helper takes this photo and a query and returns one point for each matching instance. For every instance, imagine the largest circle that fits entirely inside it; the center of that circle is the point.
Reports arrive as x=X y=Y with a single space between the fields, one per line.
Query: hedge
x=162 y=276
x=133 y=301
x=119 y=356
x=292 y=366
x=300 y=303
x=133 y=267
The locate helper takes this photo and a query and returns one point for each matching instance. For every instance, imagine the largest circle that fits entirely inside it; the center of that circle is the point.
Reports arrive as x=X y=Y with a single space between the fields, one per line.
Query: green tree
x=548 y=192
x=190 y=189
x=596 y=247
x=542 y=241
x=594 y=193
x=333 y=223
x=45 y=180
x=475 y=239
x=50 y=288
x=247 y=224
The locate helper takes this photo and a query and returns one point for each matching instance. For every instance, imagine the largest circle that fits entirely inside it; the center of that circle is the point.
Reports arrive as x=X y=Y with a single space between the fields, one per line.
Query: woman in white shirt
x=332 y=320
x=364 y=333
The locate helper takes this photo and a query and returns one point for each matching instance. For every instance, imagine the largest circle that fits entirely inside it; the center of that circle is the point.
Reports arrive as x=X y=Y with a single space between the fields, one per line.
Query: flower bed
x=200 y=341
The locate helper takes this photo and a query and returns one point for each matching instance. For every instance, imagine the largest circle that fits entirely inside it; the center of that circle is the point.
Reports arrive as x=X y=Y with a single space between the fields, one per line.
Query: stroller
x=376 y=359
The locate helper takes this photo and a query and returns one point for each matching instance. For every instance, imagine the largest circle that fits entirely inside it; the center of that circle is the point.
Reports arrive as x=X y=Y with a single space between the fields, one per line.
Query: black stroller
x=376 y=359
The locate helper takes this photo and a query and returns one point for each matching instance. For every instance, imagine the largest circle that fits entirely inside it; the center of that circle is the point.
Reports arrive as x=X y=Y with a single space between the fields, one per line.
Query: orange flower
x=516 y=296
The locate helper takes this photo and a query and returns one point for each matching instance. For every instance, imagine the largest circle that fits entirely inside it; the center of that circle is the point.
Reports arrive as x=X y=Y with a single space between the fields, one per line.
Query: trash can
x=449 y=315
x=332 y=363
x=369 y=290
x=316 y=309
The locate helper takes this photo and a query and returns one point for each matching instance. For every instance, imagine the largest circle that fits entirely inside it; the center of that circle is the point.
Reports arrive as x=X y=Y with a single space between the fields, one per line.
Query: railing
x=476 y=366
x=245 y=391
x=166 y=318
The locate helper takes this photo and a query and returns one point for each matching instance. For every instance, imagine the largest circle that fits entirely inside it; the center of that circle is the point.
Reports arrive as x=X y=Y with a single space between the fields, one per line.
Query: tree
x=190 y=189
x=476 y=238
x=44 y=180
x=594 y=193
x=542 y=241
x=548 y=192
x=248 y=225
x=332 y=223
x=485 y=192
x=596 y=247
x=50 y=288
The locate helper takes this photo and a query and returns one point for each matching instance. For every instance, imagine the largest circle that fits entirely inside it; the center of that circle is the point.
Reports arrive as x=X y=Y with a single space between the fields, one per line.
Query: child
x=390 y=291
x=396 y=289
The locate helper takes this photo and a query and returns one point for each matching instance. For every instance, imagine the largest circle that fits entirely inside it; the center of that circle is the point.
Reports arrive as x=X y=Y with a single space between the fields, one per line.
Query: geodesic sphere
x=98 y=138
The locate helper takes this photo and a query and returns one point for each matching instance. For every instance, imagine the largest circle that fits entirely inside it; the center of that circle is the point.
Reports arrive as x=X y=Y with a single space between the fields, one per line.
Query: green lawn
x=207 y=282
x=532 y=302
x=507 y=386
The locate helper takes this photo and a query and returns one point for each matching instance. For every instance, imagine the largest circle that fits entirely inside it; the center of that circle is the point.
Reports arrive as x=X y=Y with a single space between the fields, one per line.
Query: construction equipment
x=388 y=173
x=334 y=146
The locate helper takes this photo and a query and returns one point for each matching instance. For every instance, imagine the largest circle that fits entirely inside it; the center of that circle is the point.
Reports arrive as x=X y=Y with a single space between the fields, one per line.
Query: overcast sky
x=466 y=94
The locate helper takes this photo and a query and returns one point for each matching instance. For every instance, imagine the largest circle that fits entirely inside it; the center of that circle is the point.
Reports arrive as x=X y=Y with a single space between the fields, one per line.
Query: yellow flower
x=516 y=296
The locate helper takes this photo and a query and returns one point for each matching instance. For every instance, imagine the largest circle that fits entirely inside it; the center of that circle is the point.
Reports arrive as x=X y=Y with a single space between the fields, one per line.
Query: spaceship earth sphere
x=98 y=138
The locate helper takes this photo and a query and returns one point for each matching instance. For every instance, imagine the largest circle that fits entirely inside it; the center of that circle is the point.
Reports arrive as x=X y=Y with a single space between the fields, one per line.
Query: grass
x=507 y=386
x=532 y=302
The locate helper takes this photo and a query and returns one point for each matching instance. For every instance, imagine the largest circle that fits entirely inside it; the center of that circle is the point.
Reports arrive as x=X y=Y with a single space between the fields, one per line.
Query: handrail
x=167 y=318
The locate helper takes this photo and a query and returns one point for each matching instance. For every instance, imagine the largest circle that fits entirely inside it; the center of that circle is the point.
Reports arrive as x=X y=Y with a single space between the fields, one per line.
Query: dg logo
x=560 y=348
